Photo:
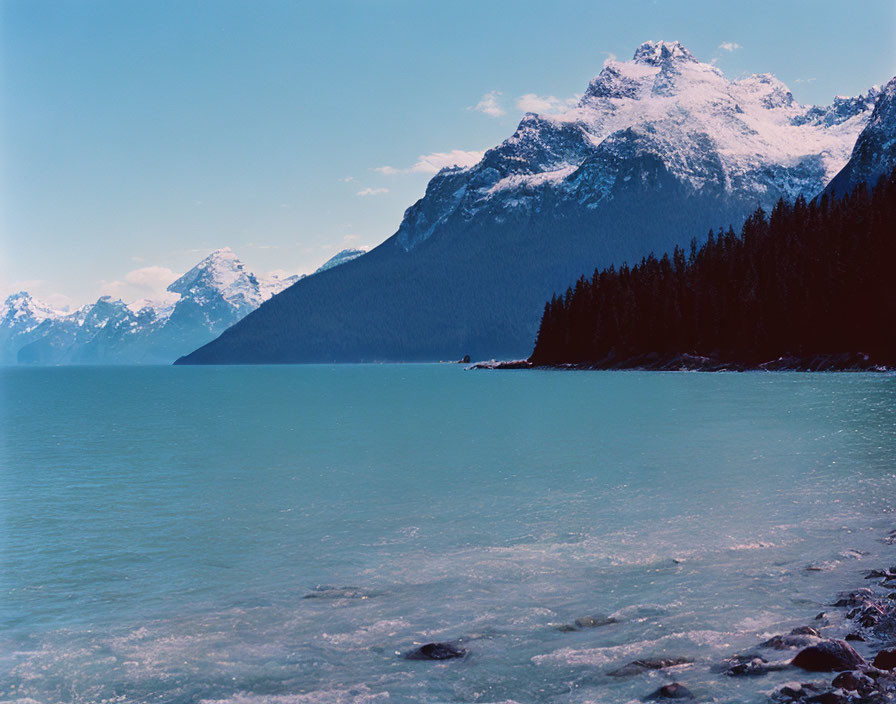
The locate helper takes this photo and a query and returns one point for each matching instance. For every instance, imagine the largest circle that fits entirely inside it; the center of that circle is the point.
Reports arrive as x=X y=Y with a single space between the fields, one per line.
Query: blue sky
x=135 y=137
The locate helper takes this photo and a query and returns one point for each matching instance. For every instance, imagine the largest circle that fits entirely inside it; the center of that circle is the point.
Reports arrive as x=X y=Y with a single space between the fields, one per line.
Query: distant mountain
x=657 y=148
x=210 y=297
x=21 y=318
x=346 y=255
x=874 y=154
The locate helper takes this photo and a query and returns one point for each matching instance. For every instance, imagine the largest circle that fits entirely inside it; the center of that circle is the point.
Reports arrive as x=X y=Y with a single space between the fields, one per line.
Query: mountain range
x=874 y=154
x=657 y=150
x=210 y=297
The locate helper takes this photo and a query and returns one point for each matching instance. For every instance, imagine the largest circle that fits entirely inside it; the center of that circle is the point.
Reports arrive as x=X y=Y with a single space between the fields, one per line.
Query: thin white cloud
x=490 y=105
x=435 y=162
x=347 y=179
x=149 y=282
x=729 y=46
x=372 y=191
x=151 y=277
x=30 y=286
x=530 y=102
x=59 y=301
x=805 y=80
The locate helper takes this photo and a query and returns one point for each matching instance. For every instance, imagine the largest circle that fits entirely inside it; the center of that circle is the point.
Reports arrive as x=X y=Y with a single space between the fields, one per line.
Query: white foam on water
x=343 y=695
x=365 y=635
x=645 y=648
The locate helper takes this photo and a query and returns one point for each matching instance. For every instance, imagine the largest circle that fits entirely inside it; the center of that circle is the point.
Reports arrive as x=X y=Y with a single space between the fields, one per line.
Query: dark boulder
x=853 y=681
x=639 y=666
x=885 y=660
x=586 y=622
x=794 y=692
x=436 y=651
x=867 y=615
x=326 y=591
x=832 y=697
x=828 y=656
x=855 y=637
x=594 y=621
x=859 y=597
x=805 y=631
x=566 y=628
x=671 y=691
x=876 y=574
x=885 y=626
x=797 y=638
x=748 y=665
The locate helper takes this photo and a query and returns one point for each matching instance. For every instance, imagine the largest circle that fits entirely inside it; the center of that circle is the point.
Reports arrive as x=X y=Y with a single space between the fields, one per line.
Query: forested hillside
x=811 y=282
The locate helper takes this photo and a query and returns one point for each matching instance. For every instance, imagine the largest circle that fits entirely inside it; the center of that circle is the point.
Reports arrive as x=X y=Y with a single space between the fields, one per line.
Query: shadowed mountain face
x=874 y=154
x=657 y=150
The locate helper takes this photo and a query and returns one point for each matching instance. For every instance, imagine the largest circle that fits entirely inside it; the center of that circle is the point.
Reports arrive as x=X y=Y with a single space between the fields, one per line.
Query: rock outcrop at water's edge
x=696 y=363
x=829 y=656
x=867 y=617
x=870 y=618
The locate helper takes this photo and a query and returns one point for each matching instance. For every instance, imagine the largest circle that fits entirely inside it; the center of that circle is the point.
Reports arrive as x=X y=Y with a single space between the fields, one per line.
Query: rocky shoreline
x=823 y=656
x=697 y=363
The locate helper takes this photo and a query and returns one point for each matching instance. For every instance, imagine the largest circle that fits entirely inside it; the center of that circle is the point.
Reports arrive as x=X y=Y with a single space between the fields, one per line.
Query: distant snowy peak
x=220 y=275
x=274 y=282
x=21 y=310
x=661 y=53
x=212 y=295
x=874 y=154
x=346 y=255
x=843 y=108
x=663 y=111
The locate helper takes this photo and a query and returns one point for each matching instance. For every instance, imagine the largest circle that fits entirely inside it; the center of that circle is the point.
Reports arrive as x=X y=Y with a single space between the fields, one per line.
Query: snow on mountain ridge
x=341 y=257
x=222 y=274
x=21 y=307
x=661 y=52
x=747 y=137
x=874 y=153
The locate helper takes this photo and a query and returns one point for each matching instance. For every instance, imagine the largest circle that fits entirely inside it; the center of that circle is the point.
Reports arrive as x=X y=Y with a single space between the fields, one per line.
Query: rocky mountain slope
x=874 y=154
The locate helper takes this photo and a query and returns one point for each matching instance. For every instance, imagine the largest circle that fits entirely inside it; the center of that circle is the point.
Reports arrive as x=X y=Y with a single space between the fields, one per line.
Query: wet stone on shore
x=671 y=691
x=436 y=651
x=637 y=667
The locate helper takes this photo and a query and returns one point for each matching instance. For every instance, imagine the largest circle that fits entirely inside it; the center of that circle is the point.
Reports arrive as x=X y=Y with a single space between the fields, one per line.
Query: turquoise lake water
x=159 y=528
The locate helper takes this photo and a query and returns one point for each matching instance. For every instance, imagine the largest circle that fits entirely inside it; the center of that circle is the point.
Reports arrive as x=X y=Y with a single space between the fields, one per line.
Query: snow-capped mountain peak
x=220 y=274
x=874 y=154
x=661 y=53
x=22 y=310
x=746 y=139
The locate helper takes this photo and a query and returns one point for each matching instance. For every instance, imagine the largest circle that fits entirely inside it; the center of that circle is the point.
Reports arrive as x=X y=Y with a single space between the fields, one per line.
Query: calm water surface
x=159 y=528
